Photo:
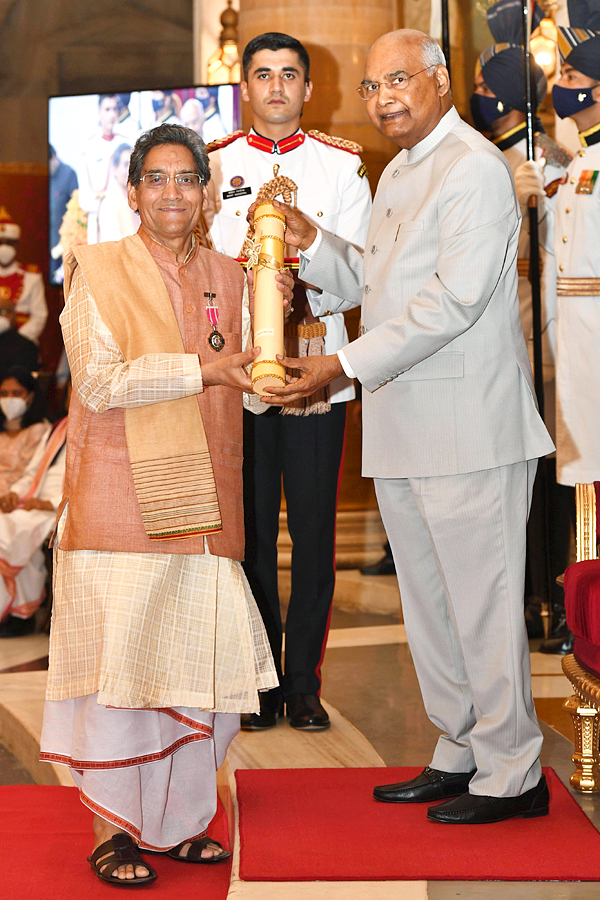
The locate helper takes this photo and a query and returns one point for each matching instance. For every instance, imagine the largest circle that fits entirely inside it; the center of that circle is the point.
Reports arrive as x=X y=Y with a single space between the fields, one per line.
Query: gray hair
x=433 y=55
x=168 y=134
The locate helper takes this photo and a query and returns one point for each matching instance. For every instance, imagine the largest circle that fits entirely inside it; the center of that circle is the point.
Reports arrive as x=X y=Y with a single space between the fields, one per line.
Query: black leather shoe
x=430 y=785
x=306 y=712
x=473 y=810
x=385 y=566
x=271 y=708
x=560 y=646
x=15 y=627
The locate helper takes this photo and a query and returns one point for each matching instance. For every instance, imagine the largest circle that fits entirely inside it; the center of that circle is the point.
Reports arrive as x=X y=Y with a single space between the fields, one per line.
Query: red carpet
x=322 y=824
x=45 y=836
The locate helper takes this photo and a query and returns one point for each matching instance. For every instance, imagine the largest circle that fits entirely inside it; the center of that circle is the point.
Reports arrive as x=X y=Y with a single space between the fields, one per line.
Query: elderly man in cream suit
x=451 y=430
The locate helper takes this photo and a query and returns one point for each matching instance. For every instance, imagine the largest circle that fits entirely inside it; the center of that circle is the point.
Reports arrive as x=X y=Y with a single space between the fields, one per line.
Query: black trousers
x=307 y=452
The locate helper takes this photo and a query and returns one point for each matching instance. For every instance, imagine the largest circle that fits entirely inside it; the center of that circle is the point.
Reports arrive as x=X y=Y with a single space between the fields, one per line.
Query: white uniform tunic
x=577 y=246
x=30 y=304
x=333 y=193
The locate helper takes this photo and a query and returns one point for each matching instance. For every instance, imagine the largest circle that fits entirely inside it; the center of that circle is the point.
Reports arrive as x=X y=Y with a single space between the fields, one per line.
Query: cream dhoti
x=150 y=772
x=168 y=623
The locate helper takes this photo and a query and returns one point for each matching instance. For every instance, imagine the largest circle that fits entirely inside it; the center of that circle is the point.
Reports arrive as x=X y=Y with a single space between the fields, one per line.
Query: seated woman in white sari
x=27 y=517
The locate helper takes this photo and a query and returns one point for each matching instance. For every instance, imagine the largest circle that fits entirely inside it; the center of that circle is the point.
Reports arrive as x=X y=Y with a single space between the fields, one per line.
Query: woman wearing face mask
x=23 y=423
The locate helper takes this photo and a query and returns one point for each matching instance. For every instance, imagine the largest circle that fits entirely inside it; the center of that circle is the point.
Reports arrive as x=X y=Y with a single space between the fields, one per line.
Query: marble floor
x=371 y=691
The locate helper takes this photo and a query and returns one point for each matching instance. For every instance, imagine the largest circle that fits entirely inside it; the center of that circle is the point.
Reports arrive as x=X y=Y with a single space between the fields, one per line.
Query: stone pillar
x=337 y=35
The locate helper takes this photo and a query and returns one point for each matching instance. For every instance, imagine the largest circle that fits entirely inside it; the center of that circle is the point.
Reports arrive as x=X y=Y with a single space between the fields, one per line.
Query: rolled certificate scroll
x=266 y=259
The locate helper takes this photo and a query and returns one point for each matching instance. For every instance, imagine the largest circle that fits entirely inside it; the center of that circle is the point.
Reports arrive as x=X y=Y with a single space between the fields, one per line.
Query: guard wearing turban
x=576 y=95
x=498 y=107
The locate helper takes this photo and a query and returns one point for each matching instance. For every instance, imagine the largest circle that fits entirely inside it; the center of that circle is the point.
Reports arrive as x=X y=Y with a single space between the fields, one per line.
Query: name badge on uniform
x=586 y=182
x=237 y=188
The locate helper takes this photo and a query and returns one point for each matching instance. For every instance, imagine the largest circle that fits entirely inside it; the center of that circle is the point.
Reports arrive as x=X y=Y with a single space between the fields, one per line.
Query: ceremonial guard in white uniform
x=498 y=109
x=22 y=296
x=306 y=447
x=578 y=263
x=577 y=250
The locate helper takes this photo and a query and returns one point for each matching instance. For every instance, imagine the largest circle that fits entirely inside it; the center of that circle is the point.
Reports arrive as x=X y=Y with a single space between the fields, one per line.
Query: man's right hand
x=230 y=370
x=8 y=502
x=298 y=230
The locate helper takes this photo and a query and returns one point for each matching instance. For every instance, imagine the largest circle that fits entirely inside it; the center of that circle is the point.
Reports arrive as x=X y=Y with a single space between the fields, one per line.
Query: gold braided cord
x=270 y=216
x=266 y=194
x=306 y=332
x=339 y=142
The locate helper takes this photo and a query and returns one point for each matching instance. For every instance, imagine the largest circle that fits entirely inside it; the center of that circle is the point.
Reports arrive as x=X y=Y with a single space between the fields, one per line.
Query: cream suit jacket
x=443 y=360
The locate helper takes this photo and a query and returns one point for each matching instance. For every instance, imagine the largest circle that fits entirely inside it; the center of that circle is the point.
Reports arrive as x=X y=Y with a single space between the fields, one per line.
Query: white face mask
x=7 y=254
x=13 y=407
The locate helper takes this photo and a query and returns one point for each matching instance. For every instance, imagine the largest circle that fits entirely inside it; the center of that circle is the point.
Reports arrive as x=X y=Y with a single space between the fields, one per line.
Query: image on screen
x=91 y=137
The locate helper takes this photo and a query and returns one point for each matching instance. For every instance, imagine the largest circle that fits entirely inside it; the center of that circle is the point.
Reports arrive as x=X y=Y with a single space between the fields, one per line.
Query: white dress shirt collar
x=443 y=127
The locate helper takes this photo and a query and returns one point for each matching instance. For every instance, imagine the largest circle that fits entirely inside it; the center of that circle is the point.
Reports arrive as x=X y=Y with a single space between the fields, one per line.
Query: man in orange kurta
x=156 y=643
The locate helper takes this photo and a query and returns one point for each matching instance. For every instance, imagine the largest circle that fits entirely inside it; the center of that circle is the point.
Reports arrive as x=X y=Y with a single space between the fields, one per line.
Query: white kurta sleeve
x=101 y=376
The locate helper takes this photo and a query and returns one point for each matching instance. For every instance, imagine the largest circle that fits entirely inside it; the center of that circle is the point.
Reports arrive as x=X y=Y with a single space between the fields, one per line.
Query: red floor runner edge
x=323 y=824
x=45 y=837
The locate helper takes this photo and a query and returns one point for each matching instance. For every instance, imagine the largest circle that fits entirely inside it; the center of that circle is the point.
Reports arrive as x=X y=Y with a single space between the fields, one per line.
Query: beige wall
x=337 y=34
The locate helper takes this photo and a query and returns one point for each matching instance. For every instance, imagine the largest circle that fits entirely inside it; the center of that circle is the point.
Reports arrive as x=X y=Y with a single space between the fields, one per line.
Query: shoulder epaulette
x=224 y=141
x=553 y=152
x=340 y=143
x=32 y=267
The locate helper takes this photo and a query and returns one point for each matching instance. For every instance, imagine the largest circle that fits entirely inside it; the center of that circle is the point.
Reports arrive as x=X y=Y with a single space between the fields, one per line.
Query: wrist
x=309 y=239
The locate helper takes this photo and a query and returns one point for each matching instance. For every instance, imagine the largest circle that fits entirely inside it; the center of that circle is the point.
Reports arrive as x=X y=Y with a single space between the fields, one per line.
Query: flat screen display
x=91 y=137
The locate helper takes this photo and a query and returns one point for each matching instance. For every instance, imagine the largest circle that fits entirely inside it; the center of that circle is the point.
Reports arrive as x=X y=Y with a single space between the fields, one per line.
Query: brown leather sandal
x=194 y=854
x=124 y=852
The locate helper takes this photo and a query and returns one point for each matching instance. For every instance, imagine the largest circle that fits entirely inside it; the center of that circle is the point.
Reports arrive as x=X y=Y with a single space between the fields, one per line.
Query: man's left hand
x=285 y=284
x=316 y=372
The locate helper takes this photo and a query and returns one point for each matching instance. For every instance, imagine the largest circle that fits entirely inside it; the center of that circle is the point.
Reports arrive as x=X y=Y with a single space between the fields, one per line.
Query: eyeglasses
x=184 y=180
x=369 y=89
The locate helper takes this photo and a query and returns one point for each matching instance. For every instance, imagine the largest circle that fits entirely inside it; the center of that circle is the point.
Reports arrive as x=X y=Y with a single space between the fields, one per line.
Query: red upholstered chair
x=582 y=667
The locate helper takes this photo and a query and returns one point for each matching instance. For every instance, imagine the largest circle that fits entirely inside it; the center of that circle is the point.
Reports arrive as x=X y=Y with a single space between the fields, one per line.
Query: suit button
x=561 y=268
x=389 y=213
x=573 y=180
x=190 y=309
x=238 y=212
x=568 y=209
x=373 y=249
x=565 y=239
x=192 y=349
x=367 y=288
x=582 y=152
x=319 y=214
x=395 y=173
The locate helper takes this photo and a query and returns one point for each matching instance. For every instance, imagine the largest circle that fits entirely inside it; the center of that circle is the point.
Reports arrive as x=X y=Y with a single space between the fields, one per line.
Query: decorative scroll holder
x=266 y=259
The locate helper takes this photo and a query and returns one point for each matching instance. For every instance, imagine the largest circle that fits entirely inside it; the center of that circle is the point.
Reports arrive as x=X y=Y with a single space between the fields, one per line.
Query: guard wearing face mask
x=22 y=298
x=498 y=108
x=577 y=248
x=577 y=255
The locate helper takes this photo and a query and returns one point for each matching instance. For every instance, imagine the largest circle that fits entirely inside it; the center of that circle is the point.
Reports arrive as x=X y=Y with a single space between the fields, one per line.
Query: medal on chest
x=587 y=180
x=215 y=338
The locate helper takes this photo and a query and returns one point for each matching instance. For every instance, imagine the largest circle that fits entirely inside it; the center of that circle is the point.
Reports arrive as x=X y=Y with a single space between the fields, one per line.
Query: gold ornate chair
x=582 y=667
